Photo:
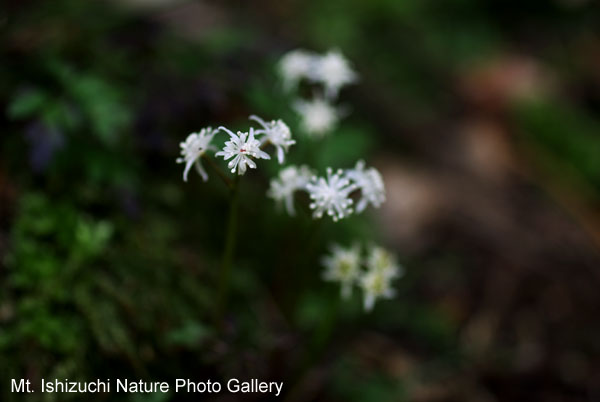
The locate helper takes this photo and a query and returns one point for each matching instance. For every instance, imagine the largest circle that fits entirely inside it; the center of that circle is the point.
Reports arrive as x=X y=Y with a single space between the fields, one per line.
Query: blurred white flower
x=242 y=147
x=294 y=66
x=375 y=284
x=331 y=195
x=319 y=117
x=290 y=180
x=333 y=71
x=277 y=133
x=343 y=266
x=382 y=261
x=382 y=268
x=370 y=183
x=194 y=146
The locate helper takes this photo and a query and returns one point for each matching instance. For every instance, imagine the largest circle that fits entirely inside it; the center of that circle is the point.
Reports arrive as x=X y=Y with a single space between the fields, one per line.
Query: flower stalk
x=228 y=250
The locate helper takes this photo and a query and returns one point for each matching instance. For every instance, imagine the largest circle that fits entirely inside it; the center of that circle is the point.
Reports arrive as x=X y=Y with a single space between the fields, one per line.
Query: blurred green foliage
x=112 y=259
x=568 y=135
x=354 y=382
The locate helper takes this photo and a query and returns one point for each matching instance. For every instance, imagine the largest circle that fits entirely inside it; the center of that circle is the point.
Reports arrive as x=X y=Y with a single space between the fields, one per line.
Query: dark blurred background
x=483 y=117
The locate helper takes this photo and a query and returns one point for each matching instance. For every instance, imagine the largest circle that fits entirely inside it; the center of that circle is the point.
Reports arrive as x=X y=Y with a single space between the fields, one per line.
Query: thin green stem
x=228 y=250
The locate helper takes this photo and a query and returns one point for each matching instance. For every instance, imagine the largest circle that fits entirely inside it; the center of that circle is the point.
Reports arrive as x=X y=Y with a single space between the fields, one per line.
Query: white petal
x=201 y=170
x=259 y=121
x=289 y=204
x=188 y=165
x=362 y=204
x=250 y=163
x=369 y=302
x=262 y=155
x=228 y=131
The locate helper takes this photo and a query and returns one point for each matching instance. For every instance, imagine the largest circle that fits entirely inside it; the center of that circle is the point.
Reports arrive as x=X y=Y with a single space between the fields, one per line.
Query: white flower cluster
x=242 y=148
x=331 y=194
x=194 y=146
x=332 y=72
x=318 y=116
x=373 y=274
x=290 y=180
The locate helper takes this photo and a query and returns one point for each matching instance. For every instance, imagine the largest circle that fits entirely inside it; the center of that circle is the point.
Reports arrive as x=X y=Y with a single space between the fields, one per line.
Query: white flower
x=193 y=148
x=294 y=66
x=277 y=133
x=370 y=183
x=331 y=195
x=333 y=71
x=382 y=268
x=375 y=284
x=382 y=261
x=290 y=180
x=242 y=147
x=343 y=266
x=318 y=116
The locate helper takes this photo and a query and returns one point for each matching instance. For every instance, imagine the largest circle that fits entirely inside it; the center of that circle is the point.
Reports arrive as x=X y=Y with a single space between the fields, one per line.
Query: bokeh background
x=483 y=117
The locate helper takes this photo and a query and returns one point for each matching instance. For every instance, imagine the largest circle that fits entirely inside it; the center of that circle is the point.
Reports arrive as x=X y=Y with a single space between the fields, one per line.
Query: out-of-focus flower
x=343 y=266
x=333 y=71
x=382 y=269
x=370 y=183
x=194 y=146
x=277 y=133
x=296 y=65
x=375 y=284
x=319 y=117
x=290 y=180
x=382 y=261
x=242 y=147
x=331 y=195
